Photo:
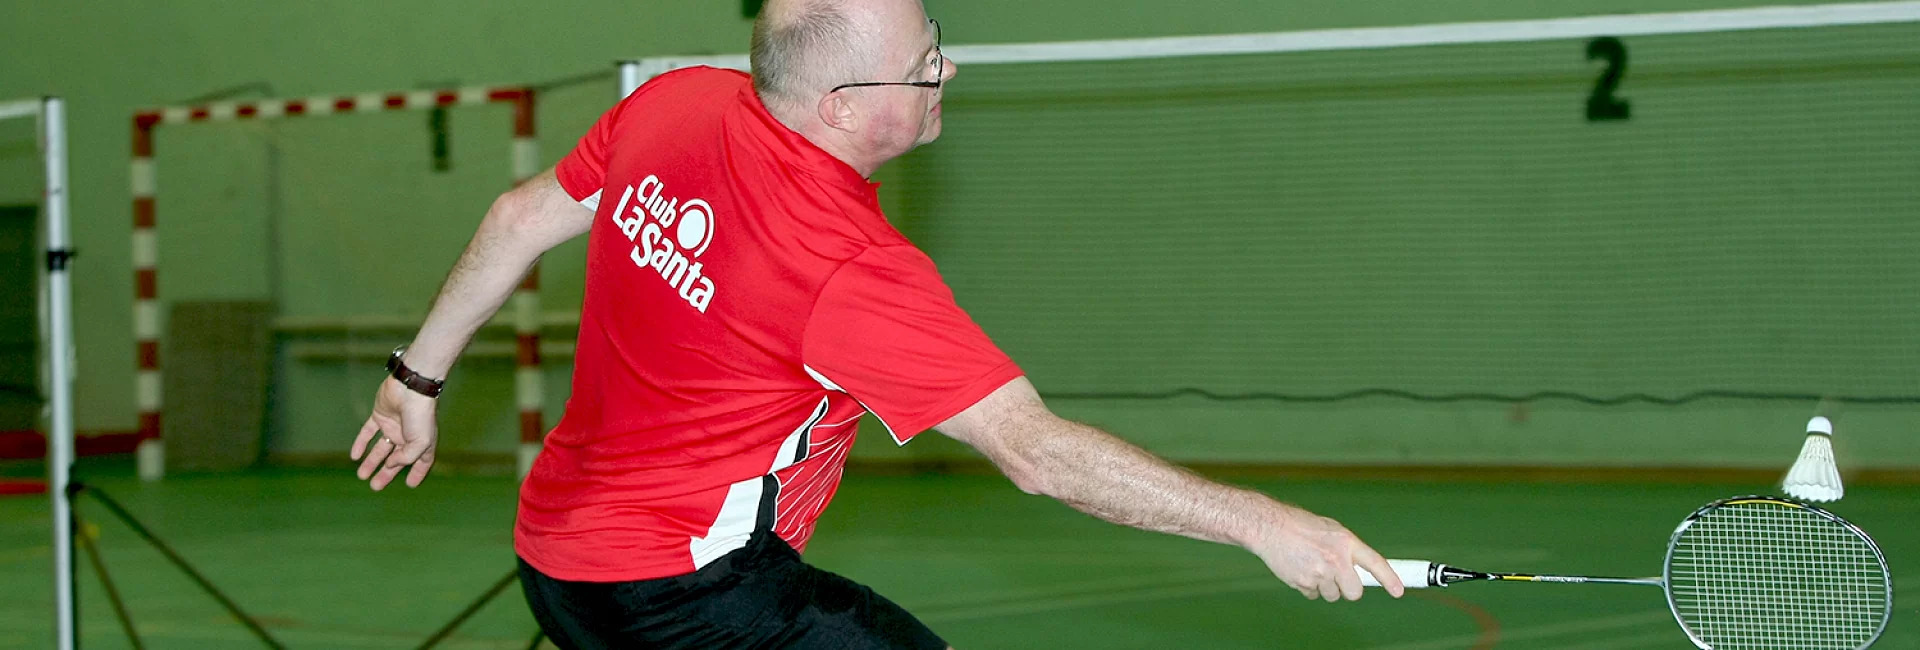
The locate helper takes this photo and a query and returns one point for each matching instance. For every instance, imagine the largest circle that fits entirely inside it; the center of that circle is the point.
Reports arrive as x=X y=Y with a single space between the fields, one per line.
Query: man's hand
x=405 y=420
x=1316 y=555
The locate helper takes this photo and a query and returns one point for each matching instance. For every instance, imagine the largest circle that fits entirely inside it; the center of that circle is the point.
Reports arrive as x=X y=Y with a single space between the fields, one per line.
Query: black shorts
x=758 y=596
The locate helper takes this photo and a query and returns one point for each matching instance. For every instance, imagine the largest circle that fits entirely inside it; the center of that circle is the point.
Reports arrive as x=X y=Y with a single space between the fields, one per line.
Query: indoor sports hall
x=1544 y=290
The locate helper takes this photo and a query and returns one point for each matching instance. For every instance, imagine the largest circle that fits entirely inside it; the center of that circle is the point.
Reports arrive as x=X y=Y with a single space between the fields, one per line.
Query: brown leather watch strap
x=414 y=381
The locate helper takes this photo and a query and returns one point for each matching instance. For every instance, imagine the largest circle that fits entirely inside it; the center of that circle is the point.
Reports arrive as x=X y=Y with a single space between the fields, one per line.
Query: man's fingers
x=1329 y=591
x=420 y=469
x=1366 y=558
x=375 y=457
x=385 y=476
x=1347 y=581
x=408 y=428
x=399 y=458
x=1348 y=585
x=360 y=441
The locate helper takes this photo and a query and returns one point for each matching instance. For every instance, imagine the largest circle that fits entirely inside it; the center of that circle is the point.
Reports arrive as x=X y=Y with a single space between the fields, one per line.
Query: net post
x=631 y=76
x=59 y=359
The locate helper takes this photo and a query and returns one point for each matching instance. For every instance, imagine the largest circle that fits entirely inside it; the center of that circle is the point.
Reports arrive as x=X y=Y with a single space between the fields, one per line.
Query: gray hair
x=798 y=51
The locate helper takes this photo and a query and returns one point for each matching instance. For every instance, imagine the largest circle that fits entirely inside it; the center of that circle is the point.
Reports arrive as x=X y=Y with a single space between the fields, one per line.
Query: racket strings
x=1770 y=575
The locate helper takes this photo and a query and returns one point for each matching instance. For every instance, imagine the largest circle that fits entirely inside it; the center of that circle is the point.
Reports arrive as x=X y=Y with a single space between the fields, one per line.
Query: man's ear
x=837 y=111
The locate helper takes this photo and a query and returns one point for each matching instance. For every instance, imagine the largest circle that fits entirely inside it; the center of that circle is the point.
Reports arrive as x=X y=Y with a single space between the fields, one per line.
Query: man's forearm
x=1108 y=478
x=520 y=227
x=480 y=282
x=1114 y=480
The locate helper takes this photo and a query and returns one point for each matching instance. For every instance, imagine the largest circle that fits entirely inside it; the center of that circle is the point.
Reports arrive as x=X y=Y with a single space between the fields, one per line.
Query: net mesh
x=1445 y=222
x=1766 y=574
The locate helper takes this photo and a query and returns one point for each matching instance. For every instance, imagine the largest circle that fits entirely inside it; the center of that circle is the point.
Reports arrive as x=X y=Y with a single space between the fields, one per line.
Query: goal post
x=529 y=390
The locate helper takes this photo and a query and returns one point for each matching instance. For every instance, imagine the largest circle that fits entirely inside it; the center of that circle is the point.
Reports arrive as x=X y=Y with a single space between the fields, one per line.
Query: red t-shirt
x=746 y=301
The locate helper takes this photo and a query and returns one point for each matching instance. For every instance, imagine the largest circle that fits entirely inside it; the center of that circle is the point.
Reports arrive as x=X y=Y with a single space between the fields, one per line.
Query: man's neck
x=826 y=138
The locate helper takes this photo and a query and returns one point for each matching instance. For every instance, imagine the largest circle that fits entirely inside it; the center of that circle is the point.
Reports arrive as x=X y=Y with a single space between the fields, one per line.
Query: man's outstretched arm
x=1109 y=478
x=522 y=225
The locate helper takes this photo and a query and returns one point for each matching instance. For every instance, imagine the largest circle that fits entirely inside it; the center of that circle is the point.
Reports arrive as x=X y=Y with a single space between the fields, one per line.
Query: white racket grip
x=1415 y=574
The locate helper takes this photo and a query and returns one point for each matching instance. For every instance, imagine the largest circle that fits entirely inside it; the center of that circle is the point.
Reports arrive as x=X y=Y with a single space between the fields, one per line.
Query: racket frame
x=1673 y=543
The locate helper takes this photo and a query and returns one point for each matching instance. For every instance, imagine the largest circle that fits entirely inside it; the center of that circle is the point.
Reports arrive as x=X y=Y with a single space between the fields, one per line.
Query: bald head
x=885 y=51
x=803 y=47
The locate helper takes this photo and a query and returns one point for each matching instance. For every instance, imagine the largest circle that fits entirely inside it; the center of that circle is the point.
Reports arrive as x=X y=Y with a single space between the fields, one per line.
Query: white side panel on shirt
x=741 y=509
x=734 y=525
x=795 y=446
x=830 y=385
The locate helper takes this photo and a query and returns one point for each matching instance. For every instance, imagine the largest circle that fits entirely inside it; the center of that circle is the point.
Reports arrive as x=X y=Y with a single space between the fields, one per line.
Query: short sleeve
x=584 y=171
x=886 y=330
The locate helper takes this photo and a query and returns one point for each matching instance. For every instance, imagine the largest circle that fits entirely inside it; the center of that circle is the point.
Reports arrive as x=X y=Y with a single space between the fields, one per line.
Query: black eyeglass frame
x=939 y=75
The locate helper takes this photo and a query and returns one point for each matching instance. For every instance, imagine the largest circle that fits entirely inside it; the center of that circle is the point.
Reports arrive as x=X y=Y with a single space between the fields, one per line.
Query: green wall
x=1444 y=221
x=365 y=228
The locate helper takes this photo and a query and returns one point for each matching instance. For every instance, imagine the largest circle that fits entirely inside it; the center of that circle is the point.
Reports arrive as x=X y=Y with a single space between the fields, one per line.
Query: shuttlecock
x=1813 y=477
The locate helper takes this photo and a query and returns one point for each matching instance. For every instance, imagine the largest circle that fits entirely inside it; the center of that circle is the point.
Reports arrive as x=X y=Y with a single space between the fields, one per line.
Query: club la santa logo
x=669 y=236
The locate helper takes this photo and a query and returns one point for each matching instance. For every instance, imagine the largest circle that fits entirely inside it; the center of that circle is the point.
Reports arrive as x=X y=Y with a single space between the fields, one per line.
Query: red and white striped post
x=146 y=295
x=529 y=390
x=150 y=454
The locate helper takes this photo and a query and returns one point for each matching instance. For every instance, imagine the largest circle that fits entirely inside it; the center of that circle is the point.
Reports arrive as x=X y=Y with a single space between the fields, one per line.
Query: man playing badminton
x=746 y=302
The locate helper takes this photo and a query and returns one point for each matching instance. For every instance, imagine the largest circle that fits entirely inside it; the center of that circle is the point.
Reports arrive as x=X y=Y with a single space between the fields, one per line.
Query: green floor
x=326 y=564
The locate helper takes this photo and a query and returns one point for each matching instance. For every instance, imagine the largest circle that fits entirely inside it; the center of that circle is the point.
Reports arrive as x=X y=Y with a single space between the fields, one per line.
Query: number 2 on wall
x=1602 y=105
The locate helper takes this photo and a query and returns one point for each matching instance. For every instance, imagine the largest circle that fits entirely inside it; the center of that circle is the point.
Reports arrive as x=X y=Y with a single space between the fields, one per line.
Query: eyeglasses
x=939 y=68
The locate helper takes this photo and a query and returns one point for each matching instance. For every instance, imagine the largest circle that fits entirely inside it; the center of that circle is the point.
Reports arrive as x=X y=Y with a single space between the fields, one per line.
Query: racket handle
x=1415 y=574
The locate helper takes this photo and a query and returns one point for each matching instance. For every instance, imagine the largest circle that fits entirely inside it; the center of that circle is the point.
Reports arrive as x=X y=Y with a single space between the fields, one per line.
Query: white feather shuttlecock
x=1814 y=477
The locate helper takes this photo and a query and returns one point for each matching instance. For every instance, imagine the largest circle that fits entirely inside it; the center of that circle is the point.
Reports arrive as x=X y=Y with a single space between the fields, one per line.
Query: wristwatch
x=414 y=381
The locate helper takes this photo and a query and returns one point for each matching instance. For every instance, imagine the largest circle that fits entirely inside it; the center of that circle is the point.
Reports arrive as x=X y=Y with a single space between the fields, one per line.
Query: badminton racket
x=1745 y=573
